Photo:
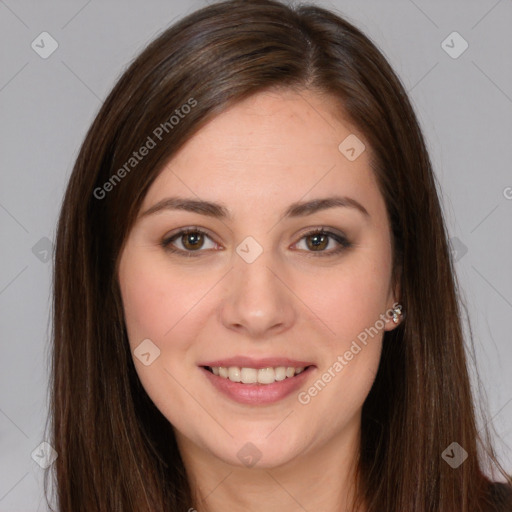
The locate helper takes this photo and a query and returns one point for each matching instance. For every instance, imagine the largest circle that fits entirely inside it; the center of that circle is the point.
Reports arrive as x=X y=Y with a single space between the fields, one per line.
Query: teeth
x=254 y=375
x=234 y=374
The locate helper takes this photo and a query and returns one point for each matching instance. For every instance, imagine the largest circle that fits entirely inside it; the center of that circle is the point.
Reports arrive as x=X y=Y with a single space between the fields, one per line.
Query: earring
x=397 y=313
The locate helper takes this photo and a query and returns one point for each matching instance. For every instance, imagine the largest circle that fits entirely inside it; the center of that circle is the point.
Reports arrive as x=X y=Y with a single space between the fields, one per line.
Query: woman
x=254 y=302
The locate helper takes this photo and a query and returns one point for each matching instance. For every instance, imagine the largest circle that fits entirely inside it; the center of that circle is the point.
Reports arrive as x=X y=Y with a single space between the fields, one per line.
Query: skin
x=258 y=157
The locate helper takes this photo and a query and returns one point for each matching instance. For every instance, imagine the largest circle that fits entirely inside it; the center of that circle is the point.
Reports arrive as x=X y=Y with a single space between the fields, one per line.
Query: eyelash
x=341 y=240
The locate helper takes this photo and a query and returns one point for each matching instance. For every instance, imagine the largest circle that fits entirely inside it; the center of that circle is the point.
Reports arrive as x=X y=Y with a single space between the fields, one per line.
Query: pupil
x=192 y=239
x=318 y=240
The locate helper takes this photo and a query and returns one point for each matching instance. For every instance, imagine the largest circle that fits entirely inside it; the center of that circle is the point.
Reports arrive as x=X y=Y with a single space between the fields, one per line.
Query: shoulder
x=500 y=497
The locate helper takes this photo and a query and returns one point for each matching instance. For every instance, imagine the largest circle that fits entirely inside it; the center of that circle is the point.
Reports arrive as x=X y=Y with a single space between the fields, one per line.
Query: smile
x=255 y=375
x=252 y=391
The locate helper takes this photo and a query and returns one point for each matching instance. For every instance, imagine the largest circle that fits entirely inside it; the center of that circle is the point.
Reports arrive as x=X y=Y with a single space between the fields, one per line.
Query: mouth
x=257 y=386
x=257 y=376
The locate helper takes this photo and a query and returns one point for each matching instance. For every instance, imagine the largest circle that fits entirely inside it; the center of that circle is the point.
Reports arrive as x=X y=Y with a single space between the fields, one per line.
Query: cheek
x=145 y=299
x=354 y=297
x=159 y=305
x=352 y=301
x=156 y=300
x=351 y=306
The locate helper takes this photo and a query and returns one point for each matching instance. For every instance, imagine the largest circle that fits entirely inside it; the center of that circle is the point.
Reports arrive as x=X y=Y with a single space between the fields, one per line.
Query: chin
x=261 y=452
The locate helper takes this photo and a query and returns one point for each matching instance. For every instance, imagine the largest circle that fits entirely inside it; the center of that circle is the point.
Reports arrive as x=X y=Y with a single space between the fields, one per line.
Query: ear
x=395 y=312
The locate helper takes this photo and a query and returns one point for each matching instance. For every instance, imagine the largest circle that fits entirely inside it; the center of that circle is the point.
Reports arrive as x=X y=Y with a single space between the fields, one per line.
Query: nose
x=258 y=302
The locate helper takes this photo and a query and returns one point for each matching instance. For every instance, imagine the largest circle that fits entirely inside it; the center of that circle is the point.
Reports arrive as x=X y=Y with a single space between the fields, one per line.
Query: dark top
x=501 y=497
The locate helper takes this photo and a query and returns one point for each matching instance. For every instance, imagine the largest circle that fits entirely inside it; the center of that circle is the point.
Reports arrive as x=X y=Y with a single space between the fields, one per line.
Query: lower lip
x=256 y=394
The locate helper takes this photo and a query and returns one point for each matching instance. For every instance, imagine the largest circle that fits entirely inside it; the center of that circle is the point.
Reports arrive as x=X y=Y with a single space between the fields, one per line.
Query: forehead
x=273 y=148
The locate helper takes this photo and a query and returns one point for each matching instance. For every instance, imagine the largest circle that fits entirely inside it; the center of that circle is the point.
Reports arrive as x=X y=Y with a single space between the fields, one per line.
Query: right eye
x=191 y=240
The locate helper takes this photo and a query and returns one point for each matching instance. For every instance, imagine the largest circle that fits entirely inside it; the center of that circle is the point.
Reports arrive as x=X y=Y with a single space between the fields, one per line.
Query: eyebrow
x=219 y=211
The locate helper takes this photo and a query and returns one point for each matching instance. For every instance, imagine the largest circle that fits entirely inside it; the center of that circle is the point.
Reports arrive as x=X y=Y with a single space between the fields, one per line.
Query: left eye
x=192 y=240
x=318 y=240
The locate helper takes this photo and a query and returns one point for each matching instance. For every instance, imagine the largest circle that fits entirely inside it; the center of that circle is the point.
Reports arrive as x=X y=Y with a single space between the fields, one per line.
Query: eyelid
x=338 y=236
x=169 y=238
x=321 y=229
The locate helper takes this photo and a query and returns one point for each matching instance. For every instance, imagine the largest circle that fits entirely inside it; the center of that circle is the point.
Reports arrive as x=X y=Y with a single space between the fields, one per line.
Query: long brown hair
x=116 y=451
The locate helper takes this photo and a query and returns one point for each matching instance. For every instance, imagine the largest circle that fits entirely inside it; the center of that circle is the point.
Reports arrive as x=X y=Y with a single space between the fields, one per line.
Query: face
x=257 y=287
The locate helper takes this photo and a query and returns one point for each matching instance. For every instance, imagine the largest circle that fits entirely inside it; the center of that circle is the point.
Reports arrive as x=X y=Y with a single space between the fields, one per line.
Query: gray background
x=464 y=105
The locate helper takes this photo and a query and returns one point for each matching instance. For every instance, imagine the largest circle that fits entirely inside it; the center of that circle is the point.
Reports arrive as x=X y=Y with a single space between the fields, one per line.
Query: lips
x=249 y=362
x=259 y=394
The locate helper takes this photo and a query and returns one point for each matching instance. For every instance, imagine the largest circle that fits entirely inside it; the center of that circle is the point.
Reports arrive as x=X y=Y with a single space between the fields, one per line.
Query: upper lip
x=249 y=362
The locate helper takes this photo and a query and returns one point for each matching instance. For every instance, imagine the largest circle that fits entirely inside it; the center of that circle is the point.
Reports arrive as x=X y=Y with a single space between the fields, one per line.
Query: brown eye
x=193 y=240
x=188 y=241
x=318 y=241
